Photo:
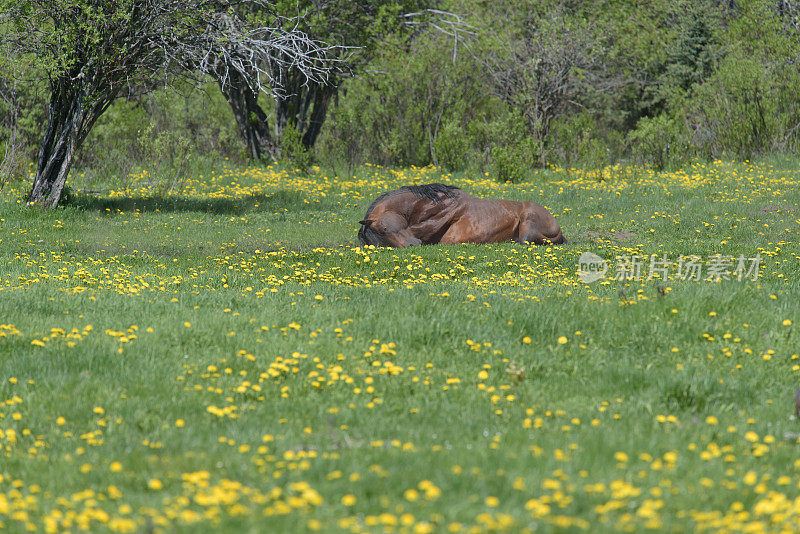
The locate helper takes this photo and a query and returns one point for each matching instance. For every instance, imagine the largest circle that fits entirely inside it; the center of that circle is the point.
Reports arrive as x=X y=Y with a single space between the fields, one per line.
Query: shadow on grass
x=278 y=201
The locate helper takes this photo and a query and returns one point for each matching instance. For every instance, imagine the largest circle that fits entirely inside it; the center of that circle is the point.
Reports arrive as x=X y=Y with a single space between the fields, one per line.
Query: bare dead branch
x=89 y=51
x=450 y=24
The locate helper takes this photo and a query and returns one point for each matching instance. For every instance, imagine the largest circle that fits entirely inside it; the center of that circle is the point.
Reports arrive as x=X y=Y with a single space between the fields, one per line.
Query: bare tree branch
x=448 y=23
x=89 y=50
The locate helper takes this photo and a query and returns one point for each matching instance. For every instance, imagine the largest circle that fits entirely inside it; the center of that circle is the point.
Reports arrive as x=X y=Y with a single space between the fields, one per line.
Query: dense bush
x=526 y=84
x=294 y=154
x=656 y=141
x=172 y=132
x=394 y=114
x=748 y=107
x=540 y=86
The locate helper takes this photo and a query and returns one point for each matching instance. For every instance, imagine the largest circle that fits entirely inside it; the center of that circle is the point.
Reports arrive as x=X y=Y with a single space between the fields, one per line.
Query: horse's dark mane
x=368 y=236
x=430 y=191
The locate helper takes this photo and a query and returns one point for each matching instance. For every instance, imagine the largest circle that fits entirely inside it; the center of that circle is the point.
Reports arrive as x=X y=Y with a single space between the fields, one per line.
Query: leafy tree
x=414 y=107
x=357 y=26
x=88 y=50
x=748 y=106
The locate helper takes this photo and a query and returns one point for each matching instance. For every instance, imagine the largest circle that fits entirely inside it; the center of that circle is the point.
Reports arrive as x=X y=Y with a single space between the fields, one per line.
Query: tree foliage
x=494 y=87
x=89 y=50
x=595 y=83
x=357 y=26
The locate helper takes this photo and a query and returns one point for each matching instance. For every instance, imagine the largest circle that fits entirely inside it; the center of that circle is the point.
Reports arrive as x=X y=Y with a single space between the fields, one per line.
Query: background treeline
x=501 y=86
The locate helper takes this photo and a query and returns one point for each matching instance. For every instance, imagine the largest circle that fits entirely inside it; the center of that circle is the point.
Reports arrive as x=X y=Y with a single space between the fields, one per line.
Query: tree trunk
x=61 y=139
x=304 y=107
x=287 y=108
x=322 y=99
x=294 y=110
x=253 y=123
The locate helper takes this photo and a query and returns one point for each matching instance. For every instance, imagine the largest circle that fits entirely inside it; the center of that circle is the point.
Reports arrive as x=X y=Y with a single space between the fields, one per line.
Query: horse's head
x=391 y=229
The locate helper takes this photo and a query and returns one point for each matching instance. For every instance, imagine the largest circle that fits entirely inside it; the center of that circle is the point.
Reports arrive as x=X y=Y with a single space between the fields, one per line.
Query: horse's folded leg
x=558 y=239
x=529 y=233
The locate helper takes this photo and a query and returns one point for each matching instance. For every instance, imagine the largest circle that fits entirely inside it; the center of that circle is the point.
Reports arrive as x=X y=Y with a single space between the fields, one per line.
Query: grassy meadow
x=224 y=356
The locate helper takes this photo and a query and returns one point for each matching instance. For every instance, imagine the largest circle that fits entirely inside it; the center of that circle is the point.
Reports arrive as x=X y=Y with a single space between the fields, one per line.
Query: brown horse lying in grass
x=438 y=213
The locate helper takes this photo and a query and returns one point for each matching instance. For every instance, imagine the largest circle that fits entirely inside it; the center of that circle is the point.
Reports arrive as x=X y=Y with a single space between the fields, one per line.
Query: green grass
x=429 y=389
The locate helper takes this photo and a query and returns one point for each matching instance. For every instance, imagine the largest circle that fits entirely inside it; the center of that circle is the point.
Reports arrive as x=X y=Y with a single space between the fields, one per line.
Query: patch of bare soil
x=774 y=209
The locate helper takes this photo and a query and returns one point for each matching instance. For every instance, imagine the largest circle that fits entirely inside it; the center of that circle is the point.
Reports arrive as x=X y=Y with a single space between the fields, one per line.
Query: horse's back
x=481 y=220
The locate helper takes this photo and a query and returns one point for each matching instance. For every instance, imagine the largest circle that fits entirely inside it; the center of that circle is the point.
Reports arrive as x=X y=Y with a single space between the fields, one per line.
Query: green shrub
x=510 y=163
x=293 y=153
x=514 y=152
x=580 y=141
x=655 y=140
x=453 y=145
x=172 y=133
x=413 y=108
x=165 y=154
x=748 y=107
x=736 y=111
